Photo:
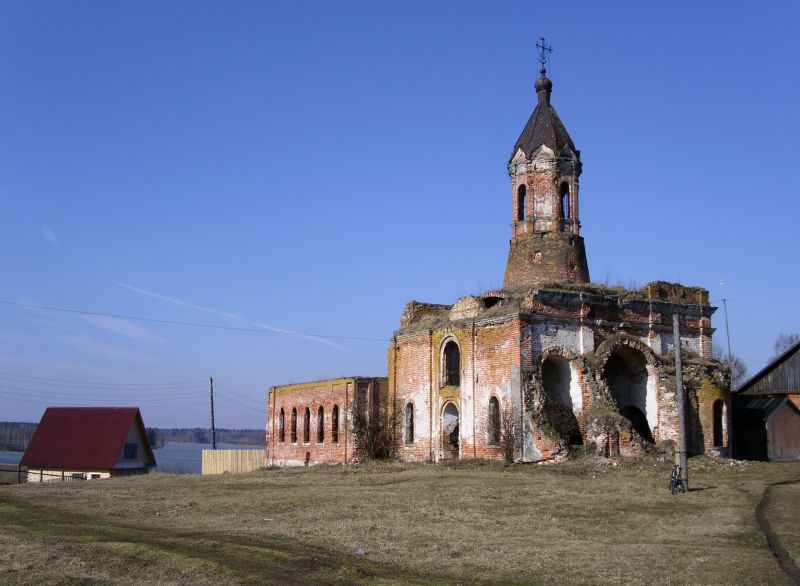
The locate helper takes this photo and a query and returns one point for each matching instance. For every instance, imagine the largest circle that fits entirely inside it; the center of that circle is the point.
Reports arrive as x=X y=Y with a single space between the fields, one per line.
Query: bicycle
x=676 y=482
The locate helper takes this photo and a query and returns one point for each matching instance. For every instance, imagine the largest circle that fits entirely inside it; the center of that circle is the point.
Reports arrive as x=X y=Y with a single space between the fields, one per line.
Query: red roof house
x=87 y=443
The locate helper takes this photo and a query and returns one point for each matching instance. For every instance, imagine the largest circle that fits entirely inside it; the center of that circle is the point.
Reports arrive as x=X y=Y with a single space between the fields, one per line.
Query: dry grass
x=9 y=473
x=783 y=513
x=588 y=521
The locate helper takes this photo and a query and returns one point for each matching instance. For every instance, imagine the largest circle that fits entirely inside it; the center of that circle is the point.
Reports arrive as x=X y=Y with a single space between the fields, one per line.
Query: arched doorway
x=564 y=399
x=450 y=432
x=627 y=378
x=718 y=423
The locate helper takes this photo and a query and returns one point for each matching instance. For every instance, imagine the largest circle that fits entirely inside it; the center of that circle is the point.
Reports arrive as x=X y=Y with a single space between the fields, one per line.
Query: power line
x=63 y=387
x=190 y=324
x=45 y=401
x=240 y=394
x=100 y=383
x=182 y=393
x=244 y=406
x=154 y=401
x=240 y=412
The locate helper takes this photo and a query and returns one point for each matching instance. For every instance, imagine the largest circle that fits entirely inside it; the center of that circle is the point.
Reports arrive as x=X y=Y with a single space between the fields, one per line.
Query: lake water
x=176 y=458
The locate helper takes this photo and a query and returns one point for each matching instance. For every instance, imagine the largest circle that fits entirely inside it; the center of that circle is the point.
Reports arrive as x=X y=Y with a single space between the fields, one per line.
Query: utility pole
x=213 y=431
x=684 y=463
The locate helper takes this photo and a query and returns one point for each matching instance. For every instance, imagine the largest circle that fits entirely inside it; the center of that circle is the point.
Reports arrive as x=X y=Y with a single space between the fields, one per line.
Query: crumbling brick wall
x=505 y=338
x=342 y=393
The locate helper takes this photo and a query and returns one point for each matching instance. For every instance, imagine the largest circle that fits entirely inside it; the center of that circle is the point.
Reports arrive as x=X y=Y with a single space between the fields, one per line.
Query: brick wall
x=410 y=372
x=313 y=395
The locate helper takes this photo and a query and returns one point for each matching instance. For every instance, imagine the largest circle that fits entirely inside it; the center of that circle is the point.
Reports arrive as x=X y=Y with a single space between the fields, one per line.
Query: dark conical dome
x=544 y=126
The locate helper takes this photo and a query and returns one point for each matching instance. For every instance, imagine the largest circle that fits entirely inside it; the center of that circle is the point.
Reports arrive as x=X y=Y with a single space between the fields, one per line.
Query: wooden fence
x=233 y=461
x=12 y=474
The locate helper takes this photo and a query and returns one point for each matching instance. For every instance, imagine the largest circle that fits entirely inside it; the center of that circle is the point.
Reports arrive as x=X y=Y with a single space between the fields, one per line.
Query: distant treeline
x=158 y=437
x=14 y=436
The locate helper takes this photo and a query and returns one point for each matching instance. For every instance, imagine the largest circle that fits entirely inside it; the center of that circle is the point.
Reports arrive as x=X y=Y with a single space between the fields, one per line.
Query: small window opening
x=718 y=411
x=452 y=364
x=130 y=451
x=494 y=421
x=522 y=200
x=282 y=426
x=565 y=215
x=410 y=423
x=294 y=425
x=320 y=425
x=335 y=424
x=307 y=426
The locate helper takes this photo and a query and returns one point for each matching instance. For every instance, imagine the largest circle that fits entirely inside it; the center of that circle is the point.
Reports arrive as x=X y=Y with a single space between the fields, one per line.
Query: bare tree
x=375 y=435
x=736 y=364
x=738 y=371
x=509 y=433
x=783 y=342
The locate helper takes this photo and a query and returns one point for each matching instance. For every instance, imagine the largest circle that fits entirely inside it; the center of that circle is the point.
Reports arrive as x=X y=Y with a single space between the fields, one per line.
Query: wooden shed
x=767 y=428
x=766 y=411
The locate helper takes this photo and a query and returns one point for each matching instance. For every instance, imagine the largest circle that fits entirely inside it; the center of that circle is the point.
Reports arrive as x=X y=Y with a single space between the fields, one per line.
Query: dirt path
x=784 y=559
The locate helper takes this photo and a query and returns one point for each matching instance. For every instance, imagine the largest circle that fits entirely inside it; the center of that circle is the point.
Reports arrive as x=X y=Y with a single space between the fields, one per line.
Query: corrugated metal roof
x=83 y=438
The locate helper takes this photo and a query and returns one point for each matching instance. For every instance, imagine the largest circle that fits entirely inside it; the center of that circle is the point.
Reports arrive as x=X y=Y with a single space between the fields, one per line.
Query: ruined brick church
x=551 y=358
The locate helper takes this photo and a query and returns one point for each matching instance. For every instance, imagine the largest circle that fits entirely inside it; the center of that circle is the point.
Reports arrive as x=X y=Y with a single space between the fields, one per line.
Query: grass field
x=591 y=521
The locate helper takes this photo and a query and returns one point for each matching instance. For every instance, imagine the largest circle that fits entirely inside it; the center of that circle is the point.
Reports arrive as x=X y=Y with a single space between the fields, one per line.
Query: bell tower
x=546 y=245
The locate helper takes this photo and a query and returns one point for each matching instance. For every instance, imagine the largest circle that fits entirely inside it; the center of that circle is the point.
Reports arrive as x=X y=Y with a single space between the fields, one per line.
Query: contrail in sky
x=229 y=315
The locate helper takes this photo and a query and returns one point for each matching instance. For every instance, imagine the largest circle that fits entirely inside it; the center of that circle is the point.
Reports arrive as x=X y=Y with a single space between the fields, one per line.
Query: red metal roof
x=83 y=438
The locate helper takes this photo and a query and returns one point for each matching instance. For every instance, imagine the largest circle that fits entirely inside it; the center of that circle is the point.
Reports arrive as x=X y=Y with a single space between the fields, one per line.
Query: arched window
x=565 y=201
x=320 y=425
x=335 y=424
x=718 y=422
x=522 y=200
x=307 y=426
x=281 y=426
x=294 y=425
x=452 y=364
x=494 y=421
x=410 y=423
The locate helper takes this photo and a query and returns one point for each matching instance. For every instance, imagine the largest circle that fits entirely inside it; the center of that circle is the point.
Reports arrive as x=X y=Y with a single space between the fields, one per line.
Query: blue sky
x=311 y=167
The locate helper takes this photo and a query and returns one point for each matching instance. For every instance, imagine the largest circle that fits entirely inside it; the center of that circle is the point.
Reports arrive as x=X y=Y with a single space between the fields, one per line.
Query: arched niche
x=633 y=387
x=564 y=397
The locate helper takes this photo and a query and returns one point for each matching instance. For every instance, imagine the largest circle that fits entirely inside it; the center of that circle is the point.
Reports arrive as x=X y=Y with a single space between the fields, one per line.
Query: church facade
x=551 y=361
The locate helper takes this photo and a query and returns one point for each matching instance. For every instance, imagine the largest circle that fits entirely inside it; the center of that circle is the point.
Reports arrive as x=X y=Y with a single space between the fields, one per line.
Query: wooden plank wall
x=233 y=461
x=785 y=377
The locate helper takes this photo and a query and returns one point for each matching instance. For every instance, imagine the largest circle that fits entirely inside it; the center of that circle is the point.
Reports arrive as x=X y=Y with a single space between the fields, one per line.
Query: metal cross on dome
x=543 y=50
